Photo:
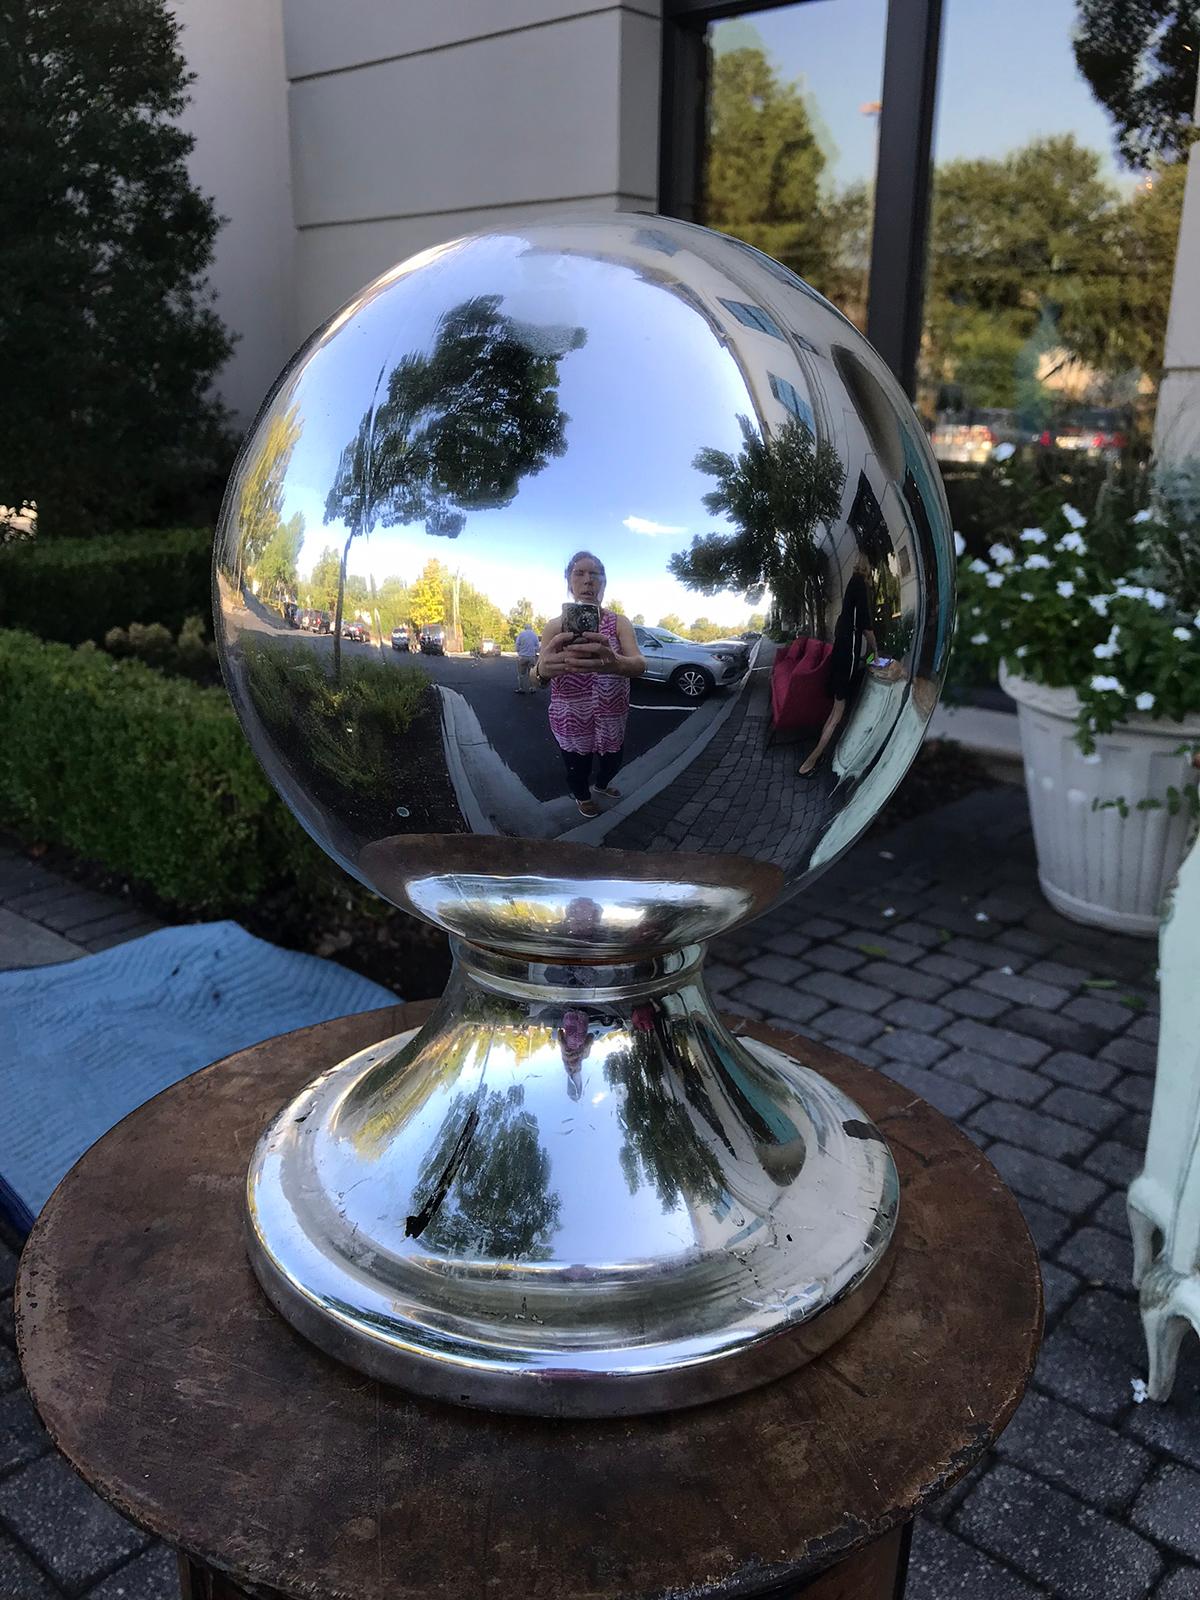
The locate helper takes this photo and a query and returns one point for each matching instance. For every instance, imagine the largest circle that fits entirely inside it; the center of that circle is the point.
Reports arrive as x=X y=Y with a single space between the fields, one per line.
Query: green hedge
x=148 y=775
x=77 y=589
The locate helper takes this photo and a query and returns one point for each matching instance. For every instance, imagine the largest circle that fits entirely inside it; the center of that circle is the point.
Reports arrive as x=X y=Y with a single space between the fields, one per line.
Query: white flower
x=1025 y=595
x=979 y=638
x=994 y=580
x=1105 y=652
x=1142 y=516
x=1182 y=634
x=982 y=916
x=1033 y=536
x=1131 y=591
x=960 y=544
x=1001 y=554
x=1065 y=589
x=1075 y=518
x=1022 y=651
x=977 y=566
x=1099 y=603
x=1155 y=598
x=888 y=911
x=1105 y=685
x=1196 y=620
x=1037 y=562
x=1072 y=542
x=1145 y=701
x=1003 y=452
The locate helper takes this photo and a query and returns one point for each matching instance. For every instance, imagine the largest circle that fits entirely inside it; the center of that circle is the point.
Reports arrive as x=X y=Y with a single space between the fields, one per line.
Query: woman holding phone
x=588 y=655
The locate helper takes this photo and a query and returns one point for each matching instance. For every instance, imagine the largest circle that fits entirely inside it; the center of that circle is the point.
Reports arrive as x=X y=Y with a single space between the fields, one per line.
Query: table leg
x=198 y=1582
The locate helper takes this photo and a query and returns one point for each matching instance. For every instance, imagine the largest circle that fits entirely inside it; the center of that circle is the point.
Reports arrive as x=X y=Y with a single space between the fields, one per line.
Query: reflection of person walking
x=589 y=677
x=527 y=654
x=852 y=630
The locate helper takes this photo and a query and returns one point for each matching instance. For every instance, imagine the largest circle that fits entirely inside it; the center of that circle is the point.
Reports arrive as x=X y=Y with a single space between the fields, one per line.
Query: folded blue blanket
x=84 y=1043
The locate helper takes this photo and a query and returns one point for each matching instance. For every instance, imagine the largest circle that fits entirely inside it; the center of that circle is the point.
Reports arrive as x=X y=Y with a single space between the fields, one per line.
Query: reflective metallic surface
x=655 y=423
x=572 y=1202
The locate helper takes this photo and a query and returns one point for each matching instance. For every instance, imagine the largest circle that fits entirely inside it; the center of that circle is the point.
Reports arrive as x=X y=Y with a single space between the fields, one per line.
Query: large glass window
x=1050 y=263
x=789 y=160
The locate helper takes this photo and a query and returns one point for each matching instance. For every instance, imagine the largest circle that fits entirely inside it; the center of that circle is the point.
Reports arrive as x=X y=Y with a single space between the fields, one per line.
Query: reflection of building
x=339 y=139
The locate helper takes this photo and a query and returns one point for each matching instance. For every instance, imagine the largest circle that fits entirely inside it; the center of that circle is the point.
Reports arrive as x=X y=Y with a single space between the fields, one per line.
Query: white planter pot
x=1096 y=866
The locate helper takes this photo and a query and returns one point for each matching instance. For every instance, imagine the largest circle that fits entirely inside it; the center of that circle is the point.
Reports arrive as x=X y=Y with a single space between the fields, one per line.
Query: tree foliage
x=764 y=175
x=108 y=341
x=456 y=429
x=776 y=492
x=1140 y=56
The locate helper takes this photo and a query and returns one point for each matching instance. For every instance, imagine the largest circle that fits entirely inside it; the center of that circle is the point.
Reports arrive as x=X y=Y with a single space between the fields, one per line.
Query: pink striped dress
x=589 y=710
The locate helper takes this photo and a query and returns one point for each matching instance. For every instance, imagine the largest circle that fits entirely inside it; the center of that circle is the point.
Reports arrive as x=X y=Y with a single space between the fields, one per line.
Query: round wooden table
x=178 y=1393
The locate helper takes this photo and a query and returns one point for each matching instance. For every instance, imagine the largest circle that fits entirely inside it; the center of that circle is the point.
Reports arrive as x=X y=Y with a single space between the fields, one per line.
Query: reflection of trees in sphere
x=723 y=442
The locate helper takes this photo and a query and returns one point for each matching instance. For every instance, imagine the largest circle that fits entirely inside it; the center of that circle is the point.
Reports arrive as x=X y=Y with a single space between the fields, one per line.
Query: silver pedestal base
x=572 y=1193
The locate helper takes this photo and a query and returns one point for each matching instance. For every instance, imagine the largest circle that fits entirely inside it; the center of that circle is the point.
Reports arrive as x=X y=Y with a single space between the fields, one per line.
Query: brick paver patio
x=930 y=954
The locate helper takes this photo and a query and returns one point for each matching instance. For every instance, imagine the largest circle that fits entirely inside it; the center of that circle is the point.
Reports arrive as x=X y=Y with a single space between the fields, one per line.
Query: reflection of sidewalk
x=490 y=795
x=741 y=794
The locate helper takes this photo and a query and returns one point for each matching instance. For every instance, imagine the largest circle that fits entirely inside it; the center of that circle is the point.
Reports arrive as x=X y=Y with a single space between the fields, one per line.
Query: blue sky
x=1007 y=74
x=649 y=388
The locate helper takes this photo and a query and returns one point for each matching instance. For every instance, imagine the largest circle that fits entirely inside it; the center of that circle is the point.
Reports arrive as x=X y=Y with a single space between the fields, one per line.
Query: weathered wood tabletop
x=167 y=1379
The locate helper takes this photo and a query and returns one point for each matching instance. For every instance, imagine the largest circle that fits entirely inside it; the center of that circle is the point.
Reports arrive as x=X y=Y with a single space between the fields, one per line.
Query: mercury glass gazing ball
x=757 y=526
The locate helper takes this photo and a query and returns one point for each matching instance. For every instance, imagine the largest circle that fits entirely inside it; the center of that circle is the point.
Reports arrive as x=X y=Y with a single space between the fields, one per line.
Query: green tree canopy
x=763 y=180
x=456 y=429
x=427 y=597
x=108 y=341
x=1140 y=57
x=321 y=590
x=776 y=492
x=671 y=623
x=276 y=569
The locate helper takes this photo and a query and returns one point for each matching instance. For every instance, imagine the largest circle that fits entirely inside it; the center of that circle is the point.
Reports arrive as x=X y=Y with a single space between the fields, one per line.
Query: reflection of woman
x=589 y=677
x=853 y=627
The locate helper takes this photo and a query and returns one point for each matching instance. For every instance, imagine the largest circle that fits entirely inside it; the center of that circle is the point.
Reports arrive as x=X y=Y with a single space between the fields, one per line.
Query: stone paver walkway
x=929 y=953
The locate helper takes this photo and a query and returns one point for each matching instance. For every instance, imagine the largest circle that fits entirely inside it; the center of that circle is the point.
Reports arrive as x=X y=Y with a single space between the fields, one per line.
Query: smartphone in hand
x=579 y=618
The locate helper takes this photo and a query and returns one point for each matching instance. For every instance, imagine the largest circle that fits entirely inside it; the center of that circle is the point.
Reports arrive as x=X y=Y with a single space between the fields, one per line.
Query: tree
x=776 y=491
x=457 y=428
x=639 y=620
x=520 y=616
x=260 y=494
x=616 y=605
x=321 y=591
x=277 y=568
x=427 y=597
x=108 y=344
x=1140 y=60
x=763 y=180
x=671 y=623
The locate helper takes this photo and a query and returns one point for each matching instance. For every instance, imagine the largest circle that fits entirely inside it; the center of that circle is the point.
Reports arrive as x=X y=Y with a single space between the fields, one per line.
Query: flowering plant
x=17 y=524
x=1113 y=618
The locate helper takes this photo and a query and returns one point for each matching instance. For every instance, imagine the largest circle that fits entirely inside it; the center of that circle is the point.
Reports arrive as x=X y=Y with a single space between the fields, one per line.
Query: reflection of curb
x=641 y=784
x=492 y=798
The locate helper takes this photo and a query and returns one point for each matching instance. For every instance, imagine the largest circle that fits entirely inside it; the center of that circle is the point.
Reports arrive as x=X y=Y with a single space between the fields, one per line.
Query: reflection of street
x=516 y=726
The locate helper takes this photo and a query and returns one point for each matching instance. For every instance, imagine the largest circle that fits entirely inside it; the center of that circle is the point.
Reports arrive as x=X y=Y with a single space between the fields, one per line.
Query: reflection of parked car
x=487 y=647
x=291 y=614
x=433 y=640
x=693 y=669
x=1098 y=433
x=358 y=631
x=400 y=638
x=315 y=621
x=971 y=436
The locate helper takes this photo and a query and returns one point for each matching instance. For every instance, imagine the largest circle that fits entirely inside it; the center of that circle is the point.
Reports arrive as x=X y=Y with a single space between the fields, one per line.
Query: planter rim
x=1065 y=703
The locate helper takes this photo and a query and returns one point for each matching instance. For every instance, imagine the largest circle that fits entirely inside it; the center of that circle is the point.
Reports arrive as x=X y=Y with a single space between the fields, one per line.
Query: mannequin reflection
x=852 y=630
x=589 y=677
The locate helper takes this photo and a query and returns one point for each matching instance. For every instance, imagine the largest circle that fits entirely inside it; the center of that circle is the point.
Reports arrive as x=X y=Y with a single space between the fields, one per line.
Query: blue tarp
x=84 y=1043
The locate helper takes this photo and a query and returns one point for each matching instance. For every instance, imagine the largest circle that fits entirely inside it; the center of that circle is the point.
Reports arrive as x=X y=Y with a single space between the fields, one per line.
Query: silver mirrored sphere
x=584 y=588
x=711 y=440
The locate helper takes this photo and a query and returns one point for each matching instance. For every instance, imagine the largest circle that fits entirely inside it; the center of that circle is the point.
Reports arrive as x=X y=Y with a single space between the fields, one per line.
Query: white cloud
x=649 y=528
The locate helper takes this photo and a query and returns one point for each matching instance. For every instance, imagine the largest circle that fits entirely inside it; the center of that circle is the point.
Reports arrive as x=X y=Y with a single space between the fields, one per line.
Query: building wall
x=238 y=114
x=411 y=124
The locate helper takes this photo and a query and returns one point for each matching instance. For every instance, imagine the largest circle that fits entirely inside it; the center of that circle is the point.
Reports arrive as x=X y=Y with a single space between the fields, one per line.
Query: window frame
x=904 y=169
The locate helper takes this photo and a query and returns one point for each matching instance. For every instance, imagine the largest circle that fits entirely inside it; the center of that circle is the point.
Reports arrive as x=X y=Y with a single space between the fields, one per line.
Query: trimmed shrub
x=78 y=589
x=189 y=656
x=149 y=776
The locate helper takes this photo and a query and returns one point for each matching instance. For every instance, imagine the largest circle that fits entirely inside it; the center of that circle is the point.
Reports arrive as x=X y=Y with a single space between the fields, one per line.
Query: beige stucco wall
x=413 y=124
x=238 y=114
x=339 y=138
